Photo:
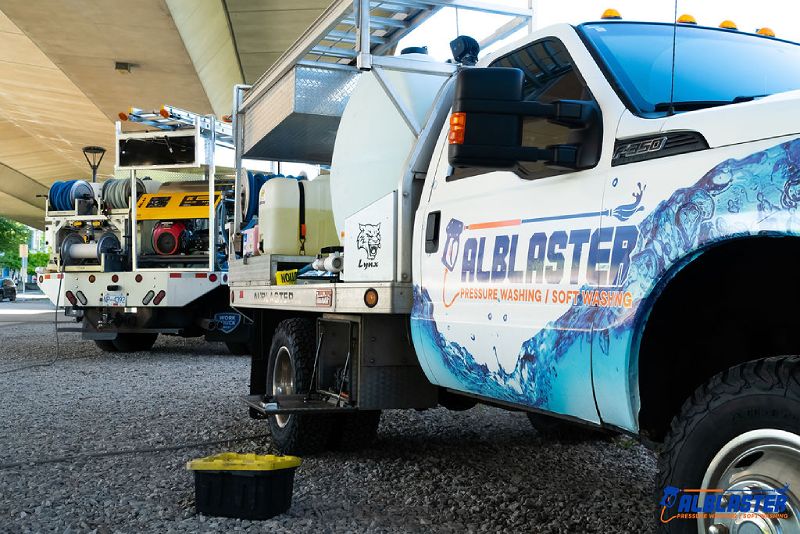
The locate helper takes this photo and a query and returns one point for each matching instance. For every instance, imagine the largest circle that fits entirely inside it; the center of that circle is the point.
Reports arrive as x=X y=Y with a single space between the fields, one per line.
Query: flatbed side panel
x=325 y=298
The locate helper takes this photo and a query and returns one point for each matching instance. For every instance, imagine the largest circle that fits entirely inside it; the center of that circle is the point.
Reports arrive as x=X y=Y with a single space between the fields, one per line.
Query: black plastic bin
x=246 y=486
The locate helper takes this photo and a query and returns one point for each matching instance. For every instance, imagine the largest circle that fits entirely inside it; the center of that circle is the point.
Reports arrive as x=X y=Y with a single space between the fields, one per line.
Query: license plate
x=115 y=299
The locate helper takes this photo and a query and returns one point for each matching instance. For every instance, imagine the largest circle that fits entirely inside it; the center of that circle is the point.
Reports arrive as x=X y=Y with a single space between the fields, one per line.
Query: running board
x=288 y=404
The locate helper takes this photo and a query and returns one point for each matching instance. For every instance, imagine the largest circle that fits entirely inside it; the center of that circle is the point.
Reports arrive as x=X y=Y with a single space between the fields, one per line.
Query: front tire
x=130 y=342
x=740 y=432
x=291 y=362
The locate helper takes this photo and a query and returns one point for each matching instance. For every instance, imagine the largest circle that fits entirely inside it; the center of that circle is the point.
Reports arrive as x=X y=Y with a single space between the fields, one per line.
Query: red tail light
x=71 y=298
x=159 y=297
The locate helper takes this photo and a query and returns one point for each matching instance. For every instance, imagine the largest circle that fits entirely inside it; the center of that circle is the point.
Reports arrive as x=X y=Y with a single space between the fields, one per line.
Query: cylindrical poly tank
x=374 y=142
x=279 y=216
x=320 y=228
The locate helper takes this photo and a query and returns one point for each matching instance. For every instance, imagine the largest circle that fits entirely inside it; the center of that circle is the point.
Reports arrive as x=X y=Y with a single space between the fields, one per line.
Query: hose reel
x=63 y=195
x=74 y=250
x=116 y=193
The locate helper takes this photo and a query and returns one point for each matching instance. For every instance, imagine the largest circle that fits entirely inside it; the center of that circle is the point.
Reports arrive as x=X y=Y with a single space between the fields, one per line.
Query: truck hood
x=772 y=116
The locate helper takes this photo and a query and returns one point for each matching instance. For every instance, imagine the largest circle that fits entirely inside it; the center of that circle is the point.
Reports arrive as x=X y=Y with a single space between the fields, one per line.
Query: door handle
x=432 y=231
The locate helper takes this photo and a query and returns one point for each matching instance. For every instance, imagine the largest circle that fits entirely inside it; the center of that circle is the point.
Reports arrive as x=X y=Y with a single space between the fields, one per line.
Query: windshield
x=712 y=66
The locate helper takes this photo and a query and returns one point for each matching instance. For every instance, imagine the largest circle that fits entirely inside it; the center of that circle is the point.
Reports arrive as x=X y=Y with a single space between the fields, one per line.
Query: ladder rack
x=172 y=118
x=337 y=39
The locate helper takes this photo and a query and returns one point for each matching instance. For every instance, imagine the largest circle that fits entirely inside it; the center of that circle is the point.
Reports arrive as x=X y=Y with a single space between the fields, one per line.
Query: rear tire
x=738 y=432
x=354 y=431
x=106 y=345
x=291 y=362
x=237 y=348
x=129 y=342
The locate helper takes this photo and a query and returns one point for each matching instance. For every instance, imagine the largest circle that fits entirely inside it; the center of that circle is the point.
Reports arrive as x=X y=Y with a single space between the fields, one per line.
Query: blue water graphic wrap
x=759 y=194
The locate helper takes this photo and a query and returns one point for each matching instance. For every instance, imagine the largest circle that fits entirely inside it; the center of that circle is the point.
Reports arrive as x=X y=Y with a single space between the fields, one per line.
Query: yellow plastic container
x=246 y=486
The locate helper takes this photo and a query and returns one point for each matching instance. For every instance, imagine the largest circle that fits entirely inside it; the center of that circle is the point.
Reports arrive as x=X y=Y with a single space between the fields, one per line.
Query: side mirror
x=487 y=123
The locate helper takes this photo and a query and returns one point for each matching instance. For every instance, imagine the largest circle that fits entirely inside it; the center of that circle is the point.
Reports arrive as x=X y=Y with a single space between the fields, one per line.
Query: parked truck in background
x=597 y=225
x=143 y=255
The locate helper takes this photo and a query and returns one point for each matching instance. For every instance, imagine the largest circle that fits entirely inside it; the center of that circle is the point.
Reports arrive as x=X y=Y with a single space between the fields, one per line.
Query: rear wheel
x=237 y=348
x=130 y=342
x=739 y=434
x=105 y=345
x=291 y=363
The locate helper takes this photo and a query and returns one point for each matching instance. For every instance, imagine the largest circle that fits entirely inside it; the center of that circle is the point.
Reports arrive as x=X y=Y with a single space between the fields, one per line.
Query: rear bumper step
x=289 y=404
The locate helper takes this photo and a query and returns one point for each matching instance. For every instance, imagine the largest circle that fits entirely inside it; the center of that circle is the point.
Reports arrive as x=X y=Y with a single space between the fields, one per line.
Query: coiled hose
x=251 y=190
x=116 y=193
x=62 y=194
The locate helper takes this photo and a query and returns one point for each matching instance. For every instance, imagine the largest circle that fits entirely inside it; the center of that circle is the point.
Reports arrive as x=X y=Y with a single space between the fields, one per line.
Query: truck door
x=506 y=259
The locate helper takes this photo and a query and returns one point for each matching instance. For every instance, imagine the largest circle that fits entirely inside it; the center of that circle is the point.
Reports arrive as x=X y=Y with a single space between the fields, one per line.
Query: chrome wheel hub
x=283 y=380
x=760 y=466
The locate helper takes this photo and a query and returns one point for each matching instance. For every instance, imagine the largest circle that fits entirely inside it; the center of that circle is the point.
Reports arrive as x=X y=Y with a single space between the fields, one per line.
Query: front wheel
x=736 y=443
x=291 y=363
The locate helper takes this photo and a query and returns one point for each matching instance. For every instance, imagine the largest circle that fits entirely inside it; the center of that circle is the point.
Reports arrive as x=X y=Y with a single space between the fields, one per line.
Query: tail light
x=159 y=297
x=81 y=298
x=148 y=297
x=71 y=298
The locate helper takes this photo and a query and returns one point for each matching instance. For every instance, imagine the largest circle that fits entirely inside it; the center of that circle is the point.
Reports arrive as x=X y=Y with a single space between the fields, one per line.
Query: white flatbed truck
x=577 y=227
x=136 y=257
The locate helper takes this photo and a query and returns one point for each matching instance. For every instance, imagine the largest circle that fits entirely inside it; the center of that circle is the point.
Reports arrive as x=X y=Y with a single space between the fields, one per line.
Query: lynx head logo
x=369 y=238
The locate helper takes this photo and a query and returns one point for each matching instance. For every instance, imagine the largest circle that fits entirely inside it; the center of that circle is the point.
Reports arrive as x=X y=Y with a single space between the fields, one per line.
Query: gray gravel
x=483 y=470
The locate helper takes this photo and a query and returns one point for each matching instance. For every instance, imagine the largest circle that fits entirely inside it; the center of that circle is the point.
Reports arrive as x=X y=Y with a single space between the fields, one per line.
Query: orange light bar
x=687 y=19
x=766 y=32
x=163 y=112
x=728 y=25
x=458 y=127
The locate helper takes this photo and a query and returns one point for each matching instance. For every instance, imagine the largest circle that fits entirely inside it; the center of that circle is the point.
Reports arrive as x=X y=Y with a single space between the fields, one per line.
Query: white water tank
x=374 y=142
x=279 y=216
x=320 y=227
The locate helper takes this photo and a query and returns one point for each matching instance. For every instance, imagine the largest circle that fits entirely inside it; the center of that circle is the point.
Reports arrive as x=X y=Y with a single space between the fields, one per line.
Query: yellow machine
x=174 y=205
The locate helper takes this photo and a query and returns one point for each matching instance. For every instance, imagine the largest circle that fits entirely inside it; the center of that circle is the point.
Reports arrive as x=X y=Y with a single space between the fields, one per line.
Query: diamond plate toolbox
x=297 y=118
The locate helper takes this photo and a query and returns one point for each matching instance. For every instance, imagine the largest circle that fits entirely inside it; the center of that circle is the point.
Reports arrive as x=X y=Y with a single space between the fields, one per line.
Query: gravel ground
x=483 y=470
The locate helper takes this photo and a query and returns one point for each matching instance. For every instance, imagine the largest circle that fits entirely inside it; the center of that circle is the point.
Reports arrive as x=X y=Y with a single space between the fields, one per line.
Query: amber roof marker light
x=687 y=19
x=611 y=14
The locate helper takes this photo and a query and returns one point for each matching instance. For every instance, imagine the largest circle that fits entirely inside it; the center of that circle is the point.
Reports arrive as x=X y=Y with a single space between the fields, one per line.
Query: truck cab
x=595 y=225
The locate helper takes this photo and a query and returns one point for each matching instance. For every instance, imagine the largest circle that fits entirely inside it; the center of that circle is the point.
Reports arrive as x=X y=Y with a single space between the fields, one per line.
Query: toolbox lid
x=233 y=461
